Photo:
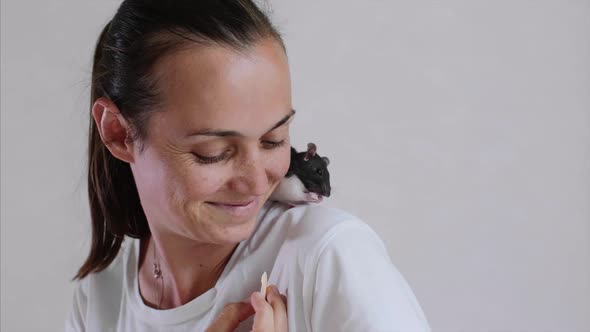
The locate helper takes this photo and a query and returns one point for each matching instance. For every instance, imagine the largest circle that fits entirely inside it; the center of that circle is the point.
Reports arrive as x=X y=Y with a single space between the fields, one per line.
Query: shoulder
x=113 y=274
x=337 y=236
x=313 y=219
x=311 y=226
x=347 y=271
x=113 y=271
x=314 y=233
x=355 y=280
x=98 y=294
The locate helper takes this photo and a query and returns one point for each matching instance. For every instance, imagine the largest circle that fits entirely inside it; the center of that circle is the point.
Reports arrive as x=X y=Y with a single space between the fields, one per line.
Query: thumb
x=230 y=317
x=263 y=321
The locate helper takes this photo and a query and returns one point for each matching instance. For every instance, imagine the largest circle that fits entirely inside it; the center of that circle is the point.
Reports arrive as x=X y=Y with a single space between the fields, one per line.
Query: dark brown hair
x=141 y=33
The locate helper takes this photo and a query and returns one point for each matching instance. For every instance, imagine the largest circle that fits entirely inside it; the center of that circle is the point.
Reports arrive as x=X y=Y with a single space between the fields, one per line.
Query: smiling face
x=220 y=146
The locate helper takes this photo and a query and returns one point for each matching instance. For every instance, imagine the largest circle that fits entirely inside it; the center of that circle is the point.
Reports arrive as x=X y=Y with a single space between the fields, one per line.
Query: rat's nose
x=326 y=190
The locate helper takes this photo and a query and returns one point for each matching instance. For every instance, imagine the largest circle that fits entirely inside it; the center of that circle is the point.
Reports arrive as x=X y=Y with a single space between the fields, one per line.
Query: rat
x=306 y=181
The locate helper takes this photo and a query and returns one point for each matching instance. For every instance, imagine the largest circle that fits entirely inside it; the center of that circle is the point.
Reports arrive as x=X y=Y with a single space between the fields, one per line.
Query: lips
x=232 y=203
x=237 y=209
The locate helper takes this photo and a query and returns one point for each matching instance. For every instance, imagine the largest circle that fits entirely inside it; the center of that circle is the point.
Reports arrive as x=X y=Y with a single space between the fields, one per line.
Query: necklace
x=158 y=276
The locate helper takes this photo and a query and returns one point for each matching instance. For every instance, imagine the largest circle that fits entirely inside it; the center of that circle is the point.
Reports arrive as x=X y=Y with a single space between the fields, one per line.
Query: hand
x=270 y=316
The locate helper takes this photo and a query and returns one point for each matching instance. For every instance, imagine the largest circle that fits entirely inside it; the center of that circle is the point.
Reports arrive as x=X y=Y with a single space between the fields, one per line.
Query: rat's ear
x=326 y=160
x=113 y=129
x=311 y=148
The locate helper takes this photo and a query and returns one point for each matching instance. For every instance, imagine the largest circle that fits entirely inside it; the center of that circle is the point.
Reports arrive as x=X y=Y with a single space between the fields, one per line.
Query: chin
x=232 y=233
x=226 y=224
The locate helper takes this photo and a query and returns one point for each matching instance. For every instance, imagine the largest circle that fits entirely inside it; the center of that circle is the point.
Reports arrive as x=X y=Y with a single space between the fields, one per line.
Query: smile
x=237 y=209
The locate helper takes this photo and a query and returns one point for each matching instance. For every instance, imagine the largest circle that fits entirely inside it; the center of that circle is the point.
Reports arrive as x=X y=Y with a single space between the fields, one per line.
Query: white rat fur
x=292 y=191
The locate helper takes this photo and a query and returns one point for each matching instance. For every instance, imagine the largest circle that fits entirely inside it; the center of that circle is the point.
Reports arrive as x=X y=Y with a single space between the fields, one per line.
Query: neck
x=184 y=276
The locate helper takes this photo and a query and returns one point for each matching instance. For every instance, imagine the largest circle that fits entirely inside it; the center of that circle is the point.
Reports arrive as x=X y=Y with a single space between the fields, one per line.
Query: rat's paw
x=313 y=197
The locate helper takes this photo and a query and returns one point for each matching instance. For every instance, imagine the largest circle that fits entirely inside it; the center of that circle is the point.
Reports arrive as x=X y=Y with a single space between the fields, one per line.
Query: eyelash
x=221 y=157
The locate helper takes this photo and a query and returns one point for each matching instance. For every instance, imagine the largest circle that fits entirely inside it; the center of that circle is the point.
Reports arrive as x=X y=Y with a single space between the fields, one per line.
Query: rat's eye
x=320 y=172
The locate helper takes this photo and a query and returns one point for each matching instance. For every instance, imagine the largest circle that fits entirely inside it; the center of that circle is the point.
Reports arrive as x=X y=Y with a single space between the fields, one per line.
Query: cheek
x=175 y=180
x=191 y=187
x=199 y=183
x=151 y=177
x=185 y=184
x=279 y=164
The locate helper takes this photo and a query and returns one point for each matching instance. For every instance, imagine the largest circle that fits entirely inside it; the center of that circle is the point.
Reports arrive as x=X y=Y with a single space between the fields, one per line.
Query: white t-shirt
x=333 y=268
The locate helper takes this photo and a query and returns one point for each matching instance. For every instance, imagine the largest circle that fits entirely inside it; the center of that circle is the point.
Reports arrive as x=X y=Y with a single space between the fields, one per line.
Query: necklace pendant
x=157 y=271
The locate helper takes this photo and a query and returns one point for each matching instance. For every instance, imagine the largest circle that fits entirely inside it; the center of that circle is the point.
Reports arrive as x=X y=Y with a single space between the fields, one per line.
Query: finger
x=279 y=306
x=264 y=318
x=230 y=317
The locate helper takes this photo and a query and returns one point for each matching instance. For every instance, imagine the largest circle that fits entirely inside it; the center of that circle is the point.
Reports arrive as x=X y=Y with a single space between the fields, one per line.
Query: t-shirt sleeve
x=357 y=288
x=76 y=319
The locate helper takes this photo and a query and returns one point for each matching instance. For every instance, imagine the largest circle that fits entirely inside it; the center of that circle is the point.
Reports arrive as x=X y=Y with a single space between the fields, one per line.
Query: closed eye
x=210 y=160
x=273 y=145
x=269 y=145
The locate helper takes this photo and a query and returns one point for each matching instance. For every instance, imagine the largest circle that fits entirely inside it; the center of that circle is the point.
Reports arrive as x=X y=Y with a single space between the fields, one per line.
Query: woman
x=189 y=136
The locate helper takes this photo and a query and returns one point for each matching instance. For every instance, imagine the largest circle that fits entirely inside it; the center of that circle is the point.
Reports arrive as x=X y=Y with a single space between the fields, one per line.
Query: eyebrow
x=232 y=133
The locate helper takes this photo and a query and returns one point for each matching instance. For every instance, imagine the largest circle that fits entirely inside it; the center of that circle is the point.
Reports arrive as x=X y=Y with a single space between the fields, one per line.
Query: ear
x=326 y=160
x=113 y=129
x=311 y=148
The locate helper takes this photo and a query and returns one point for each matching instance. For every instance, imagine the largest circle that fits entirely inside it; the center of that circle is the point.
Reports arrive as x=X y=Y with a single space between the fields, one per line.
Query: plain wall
x=459 y=130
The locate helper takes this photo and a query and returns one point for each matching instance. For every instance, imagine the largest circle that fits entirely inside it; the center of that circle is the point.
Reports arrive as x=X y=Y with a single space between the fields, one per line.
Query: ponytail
x=115 y=207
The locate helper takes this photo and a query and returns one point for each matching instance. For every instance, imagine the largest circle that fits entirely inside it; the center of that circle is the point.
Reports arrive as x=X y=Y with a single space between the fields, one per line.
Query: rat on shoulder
x=306 y=181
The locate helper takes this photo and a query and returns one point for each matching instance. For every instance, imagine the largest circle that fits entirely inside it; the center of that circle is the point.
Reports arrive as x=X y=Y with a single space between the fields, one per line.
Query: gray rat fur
x=306 y=181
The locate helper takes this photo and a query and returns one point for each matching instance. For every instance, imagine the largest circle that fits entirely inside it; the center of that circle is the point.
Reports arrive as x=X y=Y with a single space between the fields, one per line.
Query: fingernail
x=275 y=289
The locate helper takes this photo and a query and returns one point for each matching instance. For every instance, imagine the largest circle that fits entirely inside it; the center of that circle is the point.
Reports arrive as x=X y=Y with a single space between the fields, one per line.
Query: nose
x=252 y=178
x=326 y=189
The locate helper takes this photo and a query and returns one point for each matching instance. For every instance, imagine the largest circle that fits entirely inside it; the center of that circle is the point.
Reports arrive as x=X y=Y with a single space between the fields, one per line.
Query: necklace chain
x=158 y=275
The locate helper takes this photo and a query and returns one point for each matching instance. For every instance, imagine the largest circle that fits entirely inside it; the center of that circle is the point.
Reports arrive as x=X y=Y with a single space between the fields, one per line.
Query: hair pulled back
x=141 y=33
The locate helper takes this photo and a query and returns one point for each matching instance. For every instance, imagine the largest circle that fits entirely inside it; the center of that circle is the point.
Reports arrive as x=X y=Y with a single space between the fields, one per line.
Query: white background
x=459 y=130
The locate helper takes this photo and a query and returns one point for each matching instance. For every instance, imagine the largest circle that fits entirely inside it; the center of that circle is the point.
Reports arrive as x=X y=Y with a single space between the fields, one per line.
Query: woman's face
x=220 y=146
